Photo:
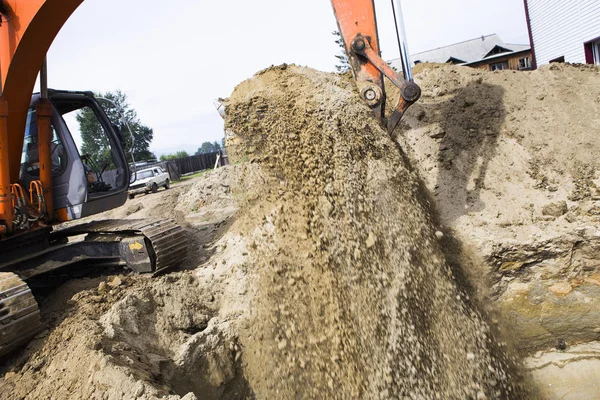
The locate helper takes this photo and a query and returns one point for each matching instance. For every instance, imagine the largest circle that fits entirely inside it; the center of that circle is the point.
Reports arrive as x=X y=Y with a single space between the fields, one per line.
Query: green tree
x=173 y=156
x=118 y=110
x=208 y=147
x=343 y=64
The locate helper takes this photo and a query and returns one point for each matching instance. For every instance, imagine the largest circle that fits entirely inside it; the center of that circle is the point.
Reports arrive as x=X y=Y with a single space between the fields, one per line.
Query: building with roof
x=488 y=52
x=564 y=31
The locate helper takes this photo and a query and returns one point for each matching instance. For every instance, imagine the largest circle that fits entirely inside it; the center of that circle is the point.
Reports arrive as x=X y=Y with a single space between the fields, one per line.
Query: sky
x=173 y=58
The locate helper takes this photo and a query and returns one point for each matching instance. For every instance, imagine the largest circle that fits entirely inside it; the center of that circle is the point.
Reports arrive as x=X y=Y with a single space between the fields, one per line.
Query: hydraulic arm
x=358 y=27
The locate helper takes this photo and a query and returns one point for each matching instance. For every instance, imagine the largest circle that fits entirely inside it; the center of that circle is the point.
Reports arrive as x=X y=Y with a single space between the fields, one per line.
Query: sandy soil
x=511 y=160
x=457 y=259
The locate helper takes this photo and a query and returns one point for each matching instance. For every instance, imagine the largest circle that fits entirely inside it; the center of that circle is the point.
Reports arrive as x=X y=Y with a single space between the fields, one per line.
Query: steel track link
x=168 y=241
x=19 y=313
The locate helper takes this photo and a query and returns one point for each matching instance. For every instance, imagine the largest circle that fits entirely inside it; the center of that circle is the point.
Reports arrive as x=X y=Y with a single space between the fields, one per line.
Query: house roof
x=468 y=51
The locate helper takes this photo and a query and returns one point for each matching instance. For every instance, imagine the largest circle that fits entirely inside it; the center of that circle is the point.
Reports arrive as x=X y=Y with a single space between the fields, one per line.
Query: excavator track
x=167 y=240
x=156 y=245
x=19 y=313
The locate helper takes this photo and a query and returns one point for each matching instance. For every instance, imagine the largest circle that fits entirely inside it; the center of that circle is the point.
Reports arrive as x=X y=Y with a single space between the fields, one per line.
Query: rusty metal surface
x=19 y=313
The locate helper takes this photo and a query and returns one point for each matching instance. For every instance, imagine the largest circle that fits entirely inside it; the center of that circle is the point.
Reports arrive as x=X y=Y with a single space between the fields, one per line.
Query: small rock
x=9 y=375
x=102 y=287
x=282 y=344
x=371 y=240
x=115 y=282
x=139 y=389
x=570 y=218
x=439 y=234
x=555 y=209
x=561 y=344
x=561 y=288
x=437 y=132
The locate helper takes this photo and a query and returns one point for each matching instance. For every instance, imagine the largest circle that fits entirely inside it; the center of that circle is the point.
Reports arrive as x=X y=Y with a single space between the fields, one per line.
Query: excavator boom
x=27 y=29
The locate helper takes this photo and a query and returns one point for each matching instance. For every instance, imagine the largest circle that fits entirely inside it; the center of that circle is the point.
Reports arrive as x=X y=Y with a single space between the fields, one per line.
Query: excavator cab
x=89 y=169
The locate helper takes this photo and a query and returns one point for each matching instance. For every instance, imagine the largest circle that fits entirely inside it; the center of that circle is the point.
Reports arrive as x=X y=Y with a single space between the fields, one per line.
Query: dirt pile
x=355 y=298
x=511 y=159
x=318 y=268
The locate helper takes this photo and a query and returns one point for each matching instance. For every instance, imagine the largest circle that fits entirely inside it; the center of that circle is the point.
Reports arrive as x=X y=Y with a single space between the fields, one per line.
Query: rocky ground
x=456 y=259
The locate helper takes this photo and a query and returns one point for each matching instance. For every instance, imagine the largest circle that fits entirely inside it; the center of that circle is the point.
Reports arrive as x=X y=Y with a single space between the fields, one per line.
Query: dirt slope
x=355 y=297
x=512 y=160
x=124 y=336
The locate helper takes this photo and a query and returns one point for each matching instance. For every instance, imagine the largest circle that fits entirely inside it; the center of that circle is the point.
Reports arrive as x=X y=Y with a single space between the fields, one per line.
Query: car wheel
x=131 y=196
x=154 y=188
x=167 y=184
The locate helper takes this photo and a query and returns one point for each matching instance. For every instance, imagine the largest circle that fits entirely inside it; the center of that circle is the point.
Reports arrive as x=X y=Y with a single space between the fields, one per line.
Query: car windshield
x=144 y=174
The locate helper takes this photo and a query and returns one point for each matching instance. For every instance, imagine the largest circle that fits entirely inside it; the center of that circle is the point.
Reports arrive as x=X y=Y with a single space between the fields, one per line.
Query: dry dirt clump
x=130 y=338
x=355 y=298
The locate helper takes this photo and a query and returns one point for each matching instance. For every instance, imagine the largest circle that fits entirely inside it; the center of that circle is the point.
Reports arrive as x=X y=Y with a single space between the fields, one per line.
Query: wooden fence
x=188 y=165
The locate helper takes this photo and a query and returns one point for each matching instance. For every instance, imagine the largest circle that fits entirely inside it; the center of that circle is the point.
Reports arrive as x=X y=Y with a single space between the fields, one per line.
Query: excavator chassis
x=143 y=246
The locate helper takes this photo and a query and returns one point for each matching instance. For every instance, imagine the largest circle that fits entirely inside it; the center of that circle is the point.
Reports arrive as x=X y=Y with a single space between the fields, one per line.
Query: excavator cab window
x=98 y=144
x=95 y=149
x=30 y=160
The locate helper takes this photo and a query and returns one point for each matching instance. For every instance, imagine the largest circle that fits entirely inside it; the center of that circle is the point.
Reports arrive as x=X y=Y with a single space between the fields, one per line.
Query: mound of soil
x=511 y=159
x=125 y=336
x=355 y=297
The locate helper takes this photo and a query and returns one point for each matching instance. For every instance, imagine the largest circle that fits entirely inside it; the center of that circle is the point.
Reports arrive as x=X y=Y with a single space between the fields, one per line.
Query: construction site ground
x=457 y=258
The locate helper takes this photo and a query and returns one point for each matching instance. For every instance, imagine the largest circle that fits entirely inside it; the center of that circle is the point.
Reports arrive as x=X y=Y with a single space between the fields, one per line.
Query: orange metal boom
x=358 y=27
x=27 y=30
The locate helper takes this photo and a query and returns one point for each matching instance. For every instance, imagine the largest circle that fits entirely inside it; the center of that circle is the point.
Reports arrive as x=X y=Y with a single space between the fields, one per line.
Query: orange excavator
x=46 y=181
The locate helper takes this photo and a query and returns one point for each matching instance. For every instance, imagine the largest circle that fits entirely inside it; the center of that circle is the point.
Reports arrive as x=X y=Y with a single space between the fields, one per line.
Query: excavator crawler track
x=168 y=241
x=19 y=313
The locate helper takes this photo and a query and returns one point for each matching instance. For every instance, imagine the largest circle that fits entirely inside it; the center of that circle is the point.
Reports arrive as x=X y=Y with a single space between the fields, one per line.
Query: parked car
x=149 y=180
